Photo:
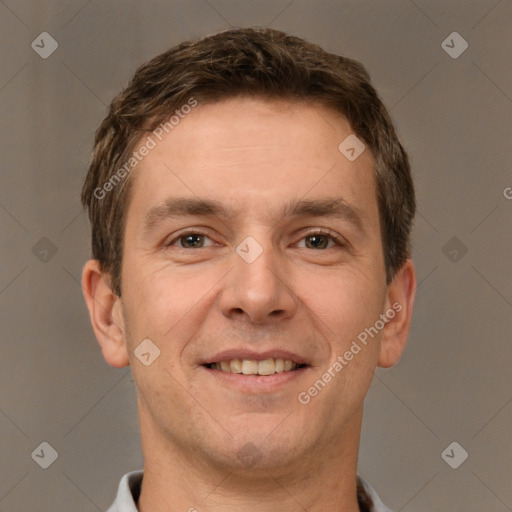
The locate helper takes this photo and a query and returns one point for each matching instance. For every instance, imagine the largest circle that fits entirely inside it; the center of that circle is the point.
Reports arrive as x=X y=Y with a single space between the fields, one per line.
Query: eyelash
x=337 y=239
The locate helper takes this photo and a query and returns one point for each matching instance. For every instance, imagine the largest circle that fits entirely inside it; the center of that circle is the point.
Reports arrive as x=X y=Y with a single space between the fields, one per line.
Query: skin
x=191 y=302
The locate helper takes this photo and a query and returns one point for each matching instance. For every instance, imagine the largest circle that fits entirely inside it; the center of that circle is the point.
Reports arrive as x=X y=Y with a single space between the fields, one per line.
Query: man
x=251 y=209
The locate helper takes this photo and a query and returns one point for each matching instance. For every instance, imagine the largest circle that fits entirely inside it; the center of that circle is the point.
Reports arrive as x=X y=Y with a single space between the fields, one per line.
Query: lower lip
x=257 y=383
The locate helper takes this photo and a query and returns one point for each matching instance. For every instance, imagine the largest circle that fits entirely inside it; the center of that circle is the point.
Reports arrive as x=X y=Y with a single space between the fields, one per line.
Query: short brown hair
x=256 y=62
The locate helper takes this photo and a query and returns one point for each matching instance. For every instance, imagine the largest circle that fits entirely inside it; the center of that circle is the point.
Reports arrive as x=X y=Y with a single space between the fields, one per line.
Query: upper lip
x=228 y=355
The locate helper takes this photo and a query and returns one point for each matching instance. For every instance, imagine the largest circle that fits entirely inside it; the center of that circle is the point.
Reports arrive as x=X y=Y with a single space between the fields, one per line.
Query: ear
x=105 y=310
x=400 y=301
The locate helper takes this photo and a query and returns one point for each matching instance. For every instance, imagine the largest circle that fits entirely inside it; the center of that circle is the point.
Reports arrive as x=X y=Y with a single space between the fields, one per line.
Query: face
x=252 y=245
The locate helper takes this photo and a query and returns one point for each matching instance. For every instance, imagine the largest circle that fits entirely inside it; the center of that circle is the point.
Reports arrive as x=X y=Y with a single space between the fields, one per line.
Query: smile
x=264 y=367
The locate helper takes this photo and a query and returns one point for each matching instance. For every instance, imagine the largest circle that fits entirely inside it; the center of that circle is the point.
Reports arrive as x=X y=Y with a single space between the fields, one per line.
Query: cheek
x=346 y=302
x=346 y=308
x=163 y=304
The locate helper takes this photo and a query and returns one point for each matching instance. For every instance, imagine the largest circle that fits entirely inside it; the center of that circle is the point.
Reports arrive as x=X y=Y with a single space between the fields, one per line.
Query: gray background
x=454 y=118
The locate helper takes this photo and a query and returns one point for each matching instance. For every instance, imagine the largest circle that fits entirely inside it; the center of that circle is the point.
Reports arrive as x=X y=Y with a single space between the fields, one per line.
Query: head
x=237 y=139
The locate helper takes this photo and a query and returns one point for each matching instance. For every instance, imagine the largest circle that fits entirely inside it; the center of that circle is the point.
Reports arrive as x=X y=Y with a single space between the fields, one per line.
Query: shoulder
x=374 y=502
x=128 y=492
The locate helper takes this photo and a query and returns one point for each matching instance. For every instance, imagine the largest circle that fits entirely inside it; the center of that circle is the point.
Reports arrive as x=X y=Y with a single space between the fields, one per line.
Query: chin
x=263 y=445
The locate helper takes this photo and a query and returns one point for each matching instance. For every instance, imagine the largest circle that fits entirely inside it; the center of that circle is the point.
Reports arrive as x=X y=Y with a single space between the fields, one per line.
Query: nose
x=258 y=288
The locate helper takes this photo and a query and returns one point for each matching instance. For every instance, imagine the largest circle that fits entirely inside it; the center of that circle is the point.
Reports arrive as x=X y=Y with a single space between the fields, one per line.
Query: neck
x=177 y=480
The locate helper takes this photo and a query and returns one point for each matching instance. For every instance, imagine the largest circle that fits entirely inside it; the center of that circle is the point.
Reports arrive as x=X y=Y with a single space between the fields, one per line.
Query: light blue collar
x=129 y=490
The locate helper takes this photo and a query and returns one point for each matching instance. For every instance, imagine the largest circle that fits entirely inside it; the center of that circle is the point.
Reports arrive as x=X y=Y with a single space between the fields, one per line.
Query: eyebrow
x=335 y=207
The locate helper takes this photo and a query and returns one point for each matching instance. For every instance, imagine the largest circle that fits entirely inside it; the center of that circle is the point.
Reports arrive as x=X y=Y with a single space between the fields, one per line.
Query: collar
x=129 y=491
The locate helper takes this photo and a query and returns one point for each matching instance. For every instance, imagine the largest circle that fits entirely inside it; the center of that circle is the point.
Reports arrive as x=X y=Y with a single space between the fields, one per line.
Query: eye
x=314 y=240
x=189 y=240
x=321 y=239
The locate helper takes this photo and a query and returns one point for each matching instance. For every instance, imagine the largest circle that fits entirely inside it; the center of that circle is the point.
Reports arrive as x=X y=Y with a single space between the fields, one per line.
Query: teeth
x=249 y=367
x=235 y=366
x=267 y=367
x=253 y=367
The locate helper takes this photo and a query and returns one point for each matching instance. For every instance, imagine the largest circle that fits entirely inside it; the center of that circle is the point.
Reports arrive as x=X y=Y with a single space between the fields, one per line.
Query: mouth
x=255 y=373
x=260 y=367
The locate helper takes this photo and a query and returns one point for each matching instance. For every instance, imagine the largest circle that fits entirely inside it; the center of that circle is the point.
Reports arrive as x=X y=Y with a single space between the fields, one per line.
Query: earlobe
x=399 y=304
x=105 y=314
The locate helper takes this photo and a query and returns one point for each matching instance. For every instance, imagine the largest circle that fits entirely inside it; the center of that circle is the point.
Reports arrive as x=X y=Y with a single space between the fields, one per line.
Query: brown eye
x=317 y=241
x=194 y=240
x=189 y=240
x=320 y=240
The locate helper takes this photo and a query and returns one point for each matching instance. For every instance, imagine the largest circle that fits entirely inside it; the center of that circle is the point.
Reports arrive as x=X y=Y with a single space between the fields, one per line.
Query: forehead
x=255 y=155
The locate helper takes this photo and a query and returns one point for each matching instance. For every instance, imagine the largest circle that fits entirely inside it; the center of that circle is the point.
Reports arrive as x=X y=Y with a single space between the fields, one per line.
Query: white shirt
x=129 y=490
